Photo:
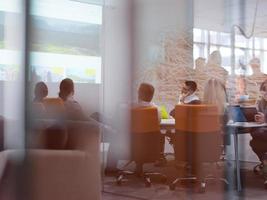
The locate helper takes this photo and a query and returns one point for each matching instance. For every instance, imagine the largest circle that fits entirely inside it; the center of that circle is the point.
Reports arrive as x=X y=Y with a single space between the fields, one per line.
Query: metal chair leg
x=202 y=188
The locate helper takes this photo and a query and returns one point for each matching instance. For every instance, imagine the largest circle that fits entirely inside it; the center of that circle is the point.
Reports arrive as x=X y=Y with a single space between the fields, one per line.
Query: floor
x=133 y=188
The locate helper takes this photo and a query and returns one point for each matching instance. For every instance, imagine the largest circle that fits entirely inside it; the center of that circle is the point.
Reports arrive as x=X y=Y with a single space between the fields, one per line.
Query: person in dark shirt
x=73 y=108
x=188 y=95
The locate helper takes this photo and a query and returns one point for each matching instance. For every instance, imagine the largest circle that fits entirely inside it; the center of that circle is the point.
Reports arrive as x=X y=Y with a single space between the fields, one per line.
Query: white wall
x=117 y=54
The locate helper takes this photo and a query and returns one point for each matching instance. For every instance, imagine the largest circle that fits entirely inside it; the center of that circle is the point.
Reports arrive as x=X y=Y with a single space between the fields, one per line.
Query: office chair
x=197 y=140
x=145 y=143
x=261 y=169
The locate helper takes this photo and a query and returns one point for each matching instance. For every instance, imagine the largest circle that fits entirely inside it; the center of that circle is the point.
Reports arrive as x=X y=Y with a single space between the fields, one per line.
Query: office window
x=245 y=49
x=65 y=41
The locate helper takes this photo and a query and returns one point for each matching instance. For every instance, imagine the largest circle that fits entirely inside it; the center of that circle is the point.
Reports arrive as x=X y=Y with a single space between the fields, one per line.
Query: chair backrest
x=197 y=138
x=54 y=107
x=145 y=130
x=144 y=120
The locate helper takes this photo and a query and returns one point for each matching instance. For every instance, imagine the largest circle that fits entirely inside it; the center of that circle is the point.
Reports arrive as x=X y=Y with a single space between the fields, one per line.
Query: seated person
x=259 y=135
x=188 y=95
x=40 y=92
x=73 y=108
x=145 y=96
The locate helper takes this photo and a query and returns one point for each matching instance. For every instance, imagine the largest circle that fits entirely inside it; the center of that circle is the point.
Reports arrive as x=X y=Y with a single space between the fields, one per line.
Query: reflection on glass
x=12 y=72
x=258 y=43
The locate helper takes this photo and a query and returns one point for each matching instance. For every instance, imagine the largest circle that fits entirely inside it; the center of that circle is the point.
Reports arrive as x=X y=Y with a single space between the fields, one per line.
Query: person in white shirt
x=145 y=96
x=188 y=95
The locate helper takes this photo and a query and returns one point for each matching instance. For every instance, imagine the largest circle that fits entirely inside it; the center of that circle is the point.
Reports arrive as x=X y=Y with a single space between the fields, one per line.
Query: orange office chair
x=54 y=108
x=197 y=140
x=145 y=142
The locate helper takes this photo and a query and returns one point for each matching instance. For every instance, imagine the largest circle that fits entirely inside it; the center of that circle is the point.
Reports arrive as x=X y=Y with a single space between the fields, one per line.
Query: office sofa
x=69 y=173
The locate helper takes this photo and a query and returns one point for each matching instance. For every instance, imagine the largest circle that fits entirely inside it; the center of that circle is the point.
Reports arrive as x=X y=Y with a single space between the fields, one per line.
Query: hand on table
x=260 y=118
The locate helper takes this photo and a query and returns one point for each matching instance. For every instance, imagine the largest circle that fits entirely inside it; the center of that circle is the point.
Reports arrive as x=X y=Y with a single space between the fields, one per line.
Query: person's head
x=200 y=62
x=255 y=64
x=66 y=88
x=215 y=93
x=263 y=90
x=145 y=92
x=40 y=91
x=215 y=58
x=189 y=87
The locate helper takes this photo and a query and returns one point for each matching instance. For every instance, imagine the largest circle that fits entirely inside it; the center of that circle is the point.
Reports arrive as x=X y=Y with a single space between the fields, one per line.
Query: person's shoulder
x=195 y=102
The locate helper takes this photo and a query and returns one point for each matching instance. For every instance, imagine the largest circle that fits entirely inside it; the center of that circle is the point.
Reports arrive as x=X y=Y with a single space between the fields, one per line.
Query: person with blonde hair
x=215 y=93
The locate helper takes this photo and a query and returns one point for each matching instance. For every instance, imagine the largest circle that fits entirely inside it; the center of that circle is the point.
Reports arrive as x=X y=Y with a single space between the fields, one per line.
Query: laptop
x=242 y=114
x=249 y=113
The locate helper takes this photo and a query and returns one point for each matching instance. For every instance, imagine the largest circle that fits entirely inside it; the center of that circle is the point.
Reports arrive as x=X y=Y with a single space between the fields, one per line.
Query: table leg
x=237 y=163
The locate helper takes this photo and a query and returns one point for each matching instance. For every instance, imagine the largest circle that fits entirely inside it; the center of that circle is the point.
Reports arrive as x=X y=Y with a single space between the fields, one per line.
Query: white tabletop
x=246 y=124
x=167 y=122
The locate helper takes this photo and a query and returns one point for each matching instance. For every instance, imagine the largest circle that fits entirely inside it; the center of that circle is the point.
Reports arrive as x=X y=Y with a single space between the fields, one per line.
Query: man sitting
x=188 y=95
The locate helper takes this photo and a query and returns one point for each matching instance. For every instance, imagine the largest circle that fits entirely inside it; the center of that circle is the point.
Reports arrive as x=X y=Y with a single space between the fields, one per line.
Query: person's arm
x=75 y=111
x=260 y=117
x=172 y=113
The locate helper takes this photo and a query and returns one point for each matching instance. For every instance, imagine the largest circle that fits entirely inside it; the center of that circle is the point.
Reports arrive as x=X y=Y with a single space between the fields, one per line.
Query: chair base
x=258 y=168
x=202 y=185
x=146 y=176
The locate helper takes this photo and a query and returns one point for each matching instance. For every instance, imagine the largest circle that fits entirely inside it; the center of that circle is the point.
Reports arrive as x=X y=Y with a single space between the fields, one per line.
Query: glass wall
x=205 y=42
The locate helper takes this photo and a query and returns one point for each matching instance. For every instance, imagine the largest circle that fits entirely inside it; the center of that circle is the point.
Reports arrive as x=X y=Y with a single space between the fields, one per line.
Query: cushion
x=164 y=113
x=47 y=137
x=55 y=137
